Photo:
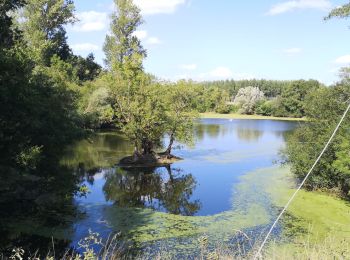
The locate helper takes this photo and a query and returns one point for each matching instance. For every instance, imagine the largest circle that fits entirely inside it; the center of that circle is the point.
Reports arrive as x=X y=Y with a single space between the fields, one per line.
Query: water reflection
x=164 y=189
x=99 y=151
x=38 y=208
x=248 y=134
x=201 y=130
x=245 y=130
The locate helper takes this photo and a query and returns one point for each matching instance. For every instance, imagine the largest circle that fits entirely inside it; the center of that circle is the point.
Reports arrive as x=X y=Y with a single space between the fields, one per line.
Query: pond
x=214 y=191
x=225 y=184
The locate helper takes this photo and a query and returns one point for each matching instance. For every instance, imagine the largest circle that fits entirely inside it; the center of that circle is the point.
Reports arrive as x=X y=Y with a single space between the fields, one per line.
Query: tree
x=323 y=107
x=95 y=104
x=264 y=108
x=179 y=112
x=138 y=108
x=247 y=99
x=7 y=34
x=293 y=97
x=124 y=52
x=86 y=68
x=339 y=12
x=43 y=29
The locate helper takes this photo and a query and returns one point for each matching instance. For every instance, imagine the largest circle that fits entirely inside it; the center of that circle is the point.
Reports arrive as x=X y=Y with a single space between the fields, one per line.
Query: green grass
x=240 y=116
x=316 y=224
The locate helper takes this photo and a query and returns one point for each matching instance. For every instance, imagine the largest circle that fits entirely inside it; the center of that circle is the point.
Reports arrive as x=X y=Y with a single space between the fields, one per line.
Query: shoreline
x=213 y=115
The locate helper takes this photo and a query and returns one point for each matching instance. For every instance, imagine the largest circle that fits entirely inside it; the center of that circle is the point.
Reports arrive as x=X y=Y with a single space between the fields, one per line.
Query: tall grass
x=330 y=248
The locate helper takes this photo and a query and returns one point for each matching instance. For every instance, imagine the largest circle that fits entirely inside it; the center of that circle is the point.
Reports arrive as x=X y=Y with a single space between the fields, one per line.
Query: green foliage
x=179 y=113
x=264 y=108
x=271 y=88
x=293 y=97
x=339 y=12
x=223 y=108
x=142 y=108
x=208 y=98
x=43 y=28
x=285 y=98
x=97 y=109
x=7 y=34
x=342 y=162
x=86 y=68
x=29 y=157
x=124 y=52
x=37 y=102
x=323 y=108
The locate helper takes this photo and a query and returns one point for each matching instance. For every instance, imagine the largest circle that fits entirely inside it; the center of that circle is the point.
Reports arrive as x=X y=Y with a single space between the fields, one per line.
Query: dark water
x=175 y=205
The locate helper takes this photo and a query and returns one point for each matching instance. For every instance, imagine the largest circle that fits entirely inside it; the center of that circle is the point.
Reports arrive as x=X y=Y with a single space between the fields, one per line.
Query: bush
x=223 y=109
x=264 y=108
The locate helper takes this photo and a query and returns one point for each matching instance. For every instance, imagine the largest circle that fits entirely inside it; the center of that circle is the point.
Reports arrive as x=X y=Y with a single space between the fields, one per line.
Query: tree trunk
x=170 y=146
x=136 y=154
x=147 y=147
x=171 y=177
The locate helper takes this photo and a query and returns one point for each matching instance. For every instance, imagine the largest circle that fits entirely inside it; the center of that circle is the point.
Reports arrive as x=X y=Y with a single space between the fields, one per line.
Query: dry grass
x=331 y=248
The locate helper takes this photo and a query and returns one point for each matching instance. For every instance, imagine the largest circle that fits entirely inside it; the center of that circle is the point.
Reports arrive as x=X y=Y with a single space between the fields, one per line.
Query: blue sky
x=222 y=39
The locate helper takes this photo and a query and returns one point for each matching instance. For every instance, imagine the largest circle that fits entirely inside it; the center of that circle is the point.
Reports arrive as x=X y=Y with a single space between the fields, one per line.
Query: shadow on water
x=37 y=209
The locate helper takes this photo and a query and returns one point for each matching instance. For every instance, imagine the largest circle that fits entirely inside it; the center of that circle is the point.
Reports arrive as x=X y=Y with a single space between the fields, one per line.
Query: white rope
x=258 y=254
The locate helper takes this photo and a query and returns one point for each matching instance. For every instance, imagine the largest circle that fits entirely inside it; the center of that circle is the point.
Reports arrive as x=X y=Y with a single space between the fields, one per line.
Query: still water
x=204 y=194
x=225 y=183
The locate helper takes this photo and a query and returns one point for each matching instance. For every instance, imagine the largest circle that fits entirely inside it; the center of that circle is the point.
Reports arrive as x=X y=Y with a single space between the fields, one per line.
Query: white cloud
x=189 y=66
x=289 y=6
x=292 y=51
x=91 y=21
x=86 y=47
x=343 y=59
x=153 y=41
x=142 y=34
x=149 y=7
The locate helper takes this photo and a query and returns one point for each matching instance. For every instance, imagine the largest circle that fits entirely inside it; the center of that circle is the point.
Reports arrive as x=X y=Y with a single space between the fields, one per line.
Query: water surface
x=223 y=185
x=197 y=196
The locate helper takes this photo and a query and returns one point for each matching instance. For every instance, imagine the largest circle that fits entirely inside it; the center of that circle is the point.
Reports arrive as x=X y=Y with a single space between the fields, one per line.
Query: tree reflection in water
x=164 y=189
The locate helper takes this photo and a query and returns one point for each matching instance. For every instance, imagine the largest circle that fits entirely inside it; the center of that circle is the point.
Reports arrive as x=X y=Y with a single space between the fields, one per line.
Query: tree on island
x=143 y=113
x=179 y=114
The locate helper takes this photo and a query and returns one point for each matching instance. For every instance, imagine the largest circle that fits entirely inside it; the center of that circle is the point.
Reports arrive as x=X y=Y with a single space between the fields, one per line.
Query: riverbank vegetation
x=324 y=108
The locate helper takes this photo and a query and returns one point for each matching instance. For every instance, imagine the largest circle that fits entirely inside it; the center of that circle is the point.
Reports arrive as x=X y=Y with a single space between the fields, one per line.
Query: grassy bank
x=316 y=225
x=251 y=117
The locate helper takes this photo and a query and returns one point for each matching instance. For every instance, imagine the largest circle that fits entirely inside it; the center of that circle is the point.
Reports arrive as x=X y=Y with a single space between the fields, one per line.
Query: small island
x=148 y=160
